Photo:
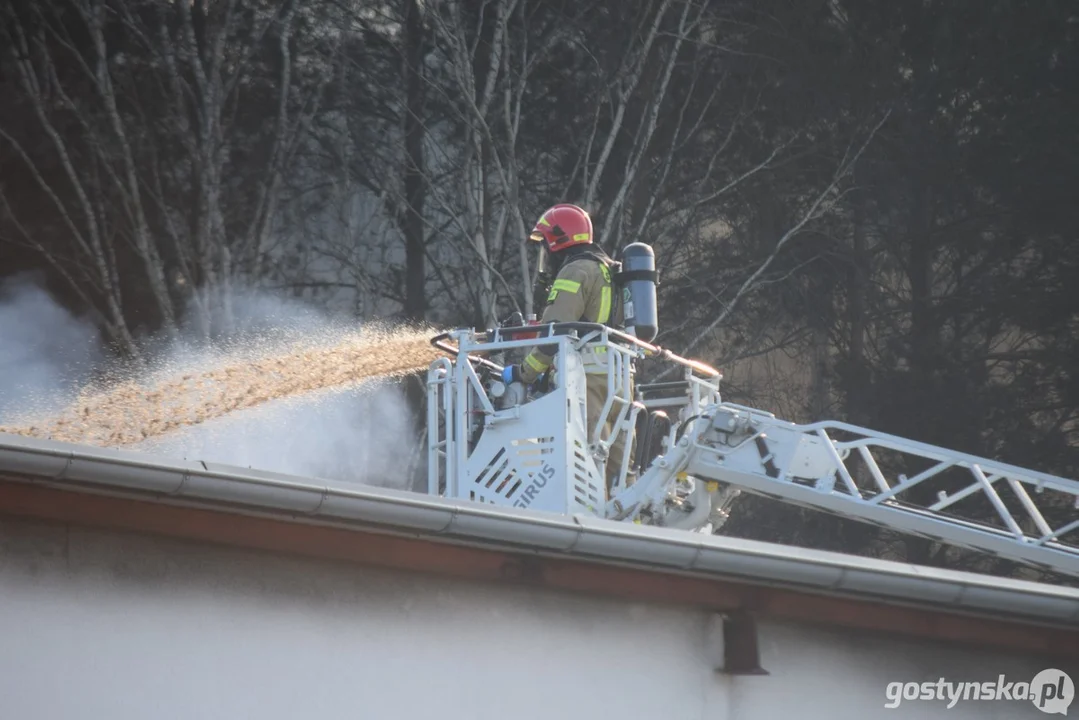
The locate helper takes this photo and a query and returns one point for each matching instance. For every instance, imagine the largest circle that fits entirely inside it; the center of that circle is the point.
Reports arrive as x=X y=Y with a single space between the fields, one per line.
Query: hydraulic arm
x=920 y=489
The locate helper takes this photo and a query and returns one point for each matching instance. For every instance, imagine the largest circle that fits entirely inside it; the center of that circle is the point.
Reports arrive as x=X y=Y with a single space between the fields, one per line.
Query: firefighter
x=583 y=291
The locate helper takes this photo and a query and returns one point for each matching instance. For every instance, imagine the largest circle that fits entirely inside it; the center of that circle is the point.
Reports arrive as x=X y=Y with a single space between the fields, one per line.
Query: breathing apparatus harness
x=633 y=278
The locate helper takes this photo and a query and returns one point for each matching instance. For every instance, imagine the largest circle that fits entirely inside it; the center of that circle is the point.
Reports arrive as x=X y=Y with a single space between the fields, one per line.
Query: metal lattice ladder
x=913 y=487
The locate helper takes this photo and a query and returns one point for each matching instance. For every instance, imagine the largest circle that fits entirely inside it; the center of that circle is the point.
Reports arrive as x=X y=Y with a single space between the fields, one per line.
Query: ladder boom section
x=955 y=498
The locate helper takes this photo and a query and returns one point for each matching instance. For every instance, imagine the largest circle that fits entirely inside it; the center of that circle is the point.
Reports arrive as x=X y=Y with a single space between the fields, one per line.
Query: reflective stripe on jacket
x=583 y=291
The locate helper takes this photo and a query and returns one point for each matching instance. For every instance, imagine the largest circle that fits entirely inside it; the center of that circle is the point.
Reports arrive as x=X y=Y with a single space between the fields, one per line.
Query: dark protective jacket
x=583 y=291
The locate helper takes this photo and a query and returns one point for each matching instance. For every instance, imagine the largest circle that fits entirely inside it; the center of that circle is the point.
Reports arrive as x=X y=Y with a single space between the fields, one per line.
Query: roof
x=220 y=503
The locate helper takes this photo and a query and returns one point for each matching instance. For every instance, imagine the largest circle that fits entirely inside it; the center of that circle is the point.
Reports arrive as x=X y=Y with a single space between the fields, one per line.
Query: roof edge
x=233 y=489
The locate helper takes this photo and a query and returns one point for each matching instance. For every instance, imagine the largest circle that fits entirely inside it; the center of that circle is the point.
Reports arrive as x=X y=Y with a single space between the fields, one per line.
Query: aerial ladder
x=693 y=453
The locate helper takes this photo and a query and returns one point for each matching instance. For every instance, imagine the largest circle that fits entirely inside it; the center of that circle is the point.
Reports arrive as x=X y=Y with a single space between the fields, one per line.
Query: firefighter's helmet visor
x=543 y=263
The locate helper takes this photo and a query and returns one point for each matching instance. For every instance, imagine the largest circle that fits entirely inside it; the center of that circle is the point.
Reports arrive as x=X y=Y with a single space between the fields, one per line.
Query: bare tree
x=481 y=103
x=148 y=110
x=818 y=205
x=495 y=59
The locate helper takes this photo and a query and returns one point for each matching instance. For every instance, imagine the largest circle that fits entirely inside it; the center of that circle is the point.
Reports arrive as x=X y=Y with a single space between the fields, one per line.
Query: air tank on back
x=638 y=282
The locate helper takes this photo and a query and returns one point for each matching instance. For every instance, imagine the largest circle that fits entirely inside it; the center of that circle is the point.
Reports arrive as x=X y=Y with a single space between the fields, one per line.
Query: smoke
x=358 y=433
x=46 y=353
x=361 y=434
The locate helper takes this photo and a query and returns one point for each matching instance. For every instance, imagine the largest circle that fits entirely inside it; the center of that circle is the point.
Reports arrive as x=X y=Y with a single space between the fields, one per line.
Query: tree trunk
x=415 y=179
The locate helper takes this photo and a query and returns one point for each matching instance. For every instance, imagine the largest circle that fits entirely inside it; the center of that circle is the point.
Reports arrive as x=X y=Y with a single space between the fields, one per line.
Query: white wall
x=122 y=627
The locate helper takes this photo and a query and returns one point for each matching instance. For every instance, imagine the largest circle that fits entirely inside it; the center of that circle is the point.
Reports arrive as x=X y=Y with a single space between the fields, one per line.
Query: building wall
x=97 y=625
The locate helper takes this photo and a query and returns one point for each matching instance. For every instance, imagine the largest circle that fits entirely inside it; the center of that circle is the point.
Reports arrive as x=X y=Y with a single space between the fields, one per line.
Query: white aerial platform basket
x=536 y=455
x=487 y=445
x=533 y=455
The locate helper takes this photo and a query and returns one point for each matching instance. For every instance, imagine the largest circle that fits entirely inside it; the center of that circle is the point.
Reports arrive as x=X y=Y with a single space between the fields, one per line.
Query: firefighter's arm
x=565 y=303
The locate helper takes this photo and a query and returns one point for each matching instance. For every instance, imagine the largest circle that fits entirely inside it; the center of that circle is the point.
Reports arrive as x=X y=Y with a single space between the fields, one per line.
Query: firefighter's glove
x=511 y=374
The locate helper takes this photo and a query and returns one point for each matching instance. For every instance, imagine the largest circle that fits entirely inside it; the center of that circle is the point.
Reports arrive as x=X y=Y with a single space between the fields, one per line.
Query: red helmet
x=561 y=226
